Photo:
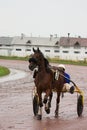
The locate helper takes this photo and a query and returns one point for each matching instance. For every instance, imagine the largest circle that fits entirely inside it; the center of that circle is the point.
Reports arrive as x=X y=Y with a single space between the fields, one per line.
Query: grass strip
x=52 y=60
x=4 y=71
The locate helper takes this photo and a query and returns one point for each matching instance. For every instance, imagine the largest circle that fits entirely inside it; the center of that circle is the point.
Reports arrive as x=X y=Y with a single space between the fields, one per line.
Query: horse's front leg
x=50 y=99
x=39 y=115
x=57 y=104
x=47 y=101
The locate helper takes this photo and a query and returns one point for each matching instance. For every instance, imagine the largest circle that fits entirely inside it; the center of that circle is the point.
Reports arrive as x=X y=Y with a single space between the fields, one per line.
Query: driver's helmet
x=61 y=66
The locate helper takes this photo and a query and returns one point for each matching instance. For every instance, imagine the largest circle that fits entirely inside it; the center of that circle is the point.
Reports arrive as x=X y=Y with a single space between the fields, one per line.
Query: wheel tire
x=35 y=105
x=79 y=105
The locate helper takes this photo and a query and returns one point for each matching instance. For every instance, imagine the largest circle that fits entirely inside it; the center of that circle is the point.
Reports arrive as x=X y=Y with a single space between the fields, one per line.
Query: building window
x=65 y=51
x=77 y=45
x=18 y=49
x=47 y=50
x=28 y=49
x=7 y=45
x=56 y=51
x=66 y=47
x=29 y=41
x=57 y=43
x=77 y=52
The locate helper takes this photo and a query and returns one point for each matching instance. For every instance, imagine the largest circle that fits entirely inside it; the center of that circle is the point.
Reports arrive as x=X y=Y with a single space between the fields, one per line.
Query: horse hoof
x=45 y=100
x=39 y=117
x=56 y=114
x=47 y=110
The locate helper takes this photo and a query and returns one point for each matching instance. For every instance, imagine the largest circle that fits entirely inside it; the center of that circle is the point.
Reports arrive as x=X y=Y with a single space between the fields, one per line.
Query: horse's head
x=36 y=59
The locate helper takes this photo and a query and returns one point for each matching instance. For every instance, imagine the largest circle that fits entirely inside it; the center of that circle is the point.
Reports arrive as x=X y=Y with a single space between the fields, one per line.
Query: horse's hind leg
x=57 y=104
x=39 y=115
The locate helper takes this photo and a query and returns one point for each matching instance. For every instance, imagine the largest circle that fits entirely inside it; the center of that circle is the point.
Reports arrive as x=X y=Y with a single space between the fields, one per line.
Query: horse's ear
x=34 y=50
x=38 y=49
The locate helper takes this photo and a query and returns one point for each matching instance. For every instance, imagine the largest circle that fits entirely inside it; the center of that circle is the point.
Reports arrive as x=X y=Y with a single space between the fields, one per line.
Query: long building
x=69 y=48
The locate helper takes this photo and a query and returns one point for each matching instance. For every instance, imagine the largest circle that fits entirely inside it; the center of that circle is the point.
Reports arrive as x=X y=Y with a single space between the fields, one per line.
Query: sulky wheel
x=35 y=105
x=79 y=105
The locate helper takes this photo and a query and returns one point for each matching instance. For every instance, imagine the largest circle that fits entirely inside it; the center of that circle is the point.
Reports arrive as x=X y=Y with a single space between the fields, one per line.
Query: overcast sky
x=43 y=17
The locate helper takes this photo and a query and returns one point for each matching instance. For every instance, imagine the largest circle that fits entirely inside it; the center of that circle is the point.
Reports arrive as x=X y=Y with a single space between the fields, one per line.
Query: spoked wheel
x=35 y=105
x=80 y=105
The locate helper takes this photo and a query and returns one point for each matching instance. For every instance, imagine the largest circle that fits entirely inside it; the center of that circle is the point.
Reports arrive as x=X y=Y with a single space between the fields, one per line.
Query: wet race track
x=16 y=112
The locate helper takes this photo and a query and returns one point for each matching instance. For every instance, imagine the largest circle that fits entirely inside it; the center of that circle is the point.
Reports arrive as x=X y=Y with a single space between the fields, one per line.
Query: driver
x=67 y=86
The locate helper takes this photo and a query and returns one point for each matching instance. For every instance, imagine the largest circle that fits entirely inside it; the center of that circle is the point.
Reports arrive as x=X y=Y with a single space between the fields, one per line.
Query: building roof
x=71 y=41
x=5 y=40
x=44 y=41
x=39 y=41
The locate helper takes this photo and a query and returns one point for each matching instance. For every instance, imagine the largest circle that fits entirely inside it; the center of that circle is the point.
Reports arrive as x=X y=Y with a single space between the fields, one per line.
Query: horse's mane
x=46 y=62
x=47 y=65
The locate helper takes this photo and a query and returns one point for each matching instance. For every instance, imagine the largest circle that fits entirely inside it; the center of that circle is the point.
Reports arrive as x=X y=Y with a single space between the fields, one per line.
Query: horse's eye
x=32 y=60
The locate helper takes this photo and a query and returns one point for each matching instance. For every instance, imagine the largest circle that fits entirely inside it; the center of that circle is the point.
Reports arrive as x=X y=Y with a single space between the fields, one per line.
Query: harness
x=56 y=75
x=33 y=60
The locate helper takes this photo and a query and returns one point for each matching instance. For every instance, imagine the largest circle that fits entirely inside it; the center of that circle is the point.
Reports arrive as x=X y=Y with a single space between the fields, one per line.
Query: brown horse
x=44 y=82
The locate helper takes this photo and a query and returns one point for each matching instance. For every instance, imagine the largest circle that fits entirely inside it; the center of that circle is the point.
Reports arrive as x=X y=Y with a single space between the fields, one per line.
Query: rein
x=67 y=78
